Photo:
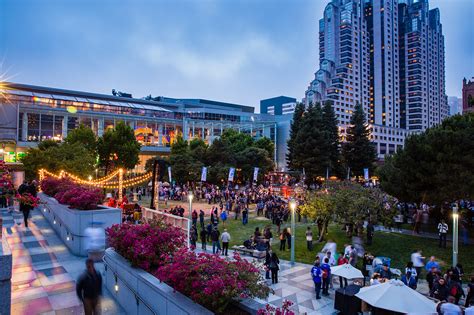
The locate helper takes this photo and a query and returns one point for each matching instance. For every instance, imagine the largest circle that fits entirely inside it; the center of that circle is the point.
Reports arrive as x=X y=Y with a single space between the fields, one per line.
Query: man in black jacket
x=89 y=289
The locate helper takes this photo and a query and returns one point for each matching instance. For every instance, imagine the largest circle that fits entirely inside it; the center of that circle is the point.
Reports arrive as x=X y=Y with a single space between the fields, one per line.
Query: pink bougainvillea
x=67 y=192
x=147 y=245
x=271 y=310
x=211 y=280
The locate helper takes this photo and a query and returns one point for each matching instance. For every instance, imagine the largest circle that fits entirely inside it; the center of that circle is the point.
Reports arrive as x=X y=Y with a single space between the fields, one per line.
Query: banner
x=204 y=174
x=366 y=173
x=231 y=174
x=255 y=174
x=169 y=173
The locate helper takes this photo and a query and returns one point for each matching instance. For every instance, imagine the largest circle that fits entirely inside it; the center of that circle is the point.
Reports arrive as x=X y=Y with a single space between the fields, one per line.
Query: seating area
x=250 y=252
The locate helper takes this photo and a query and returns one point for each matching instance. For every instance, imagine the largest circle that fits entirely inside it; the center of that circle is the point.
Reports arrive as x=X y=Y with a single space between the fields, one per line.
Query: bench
x=251 y=252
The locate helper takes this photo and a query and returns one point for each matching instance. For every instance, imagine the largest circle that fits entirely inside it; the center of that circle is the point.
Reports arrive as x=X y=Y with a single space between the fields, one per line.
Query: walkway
x=44 y=271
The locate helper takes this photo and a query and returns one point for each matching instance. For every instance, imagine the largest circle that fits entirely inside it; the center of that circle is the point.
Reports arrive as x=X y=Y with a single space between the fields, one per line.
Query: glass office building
x=30 y=114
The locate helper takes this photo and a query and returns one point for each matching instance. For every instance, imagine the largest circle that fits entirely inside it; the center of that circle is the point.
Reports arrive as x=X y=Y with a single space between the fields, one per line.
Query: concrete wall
x=5 y=277
x=70 y=224
x=138 y=292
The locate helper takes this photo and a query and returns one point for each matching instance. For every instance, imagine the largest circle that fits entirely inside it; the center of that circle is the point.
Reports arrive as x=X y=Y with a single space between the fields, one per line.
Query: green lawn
x=396 y=246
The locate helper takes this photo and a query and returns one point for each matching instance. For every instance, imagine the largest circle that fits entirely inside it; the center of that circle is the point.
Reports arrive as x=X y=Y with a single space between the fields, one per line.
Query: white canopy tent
x=396 y=296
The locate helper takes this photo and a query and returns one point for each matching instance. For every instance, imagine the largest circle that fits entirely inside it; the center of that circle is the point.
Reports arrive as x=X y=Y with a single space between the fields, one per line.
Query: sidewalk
x=429 y=235
x=44 y=271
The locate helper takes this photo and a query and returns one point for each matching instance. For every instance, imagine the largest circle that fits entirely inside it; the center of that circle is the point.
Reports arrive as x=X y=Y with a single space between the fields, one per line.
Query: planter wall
x=5 y=277
x=69 y=224
x=138 y=292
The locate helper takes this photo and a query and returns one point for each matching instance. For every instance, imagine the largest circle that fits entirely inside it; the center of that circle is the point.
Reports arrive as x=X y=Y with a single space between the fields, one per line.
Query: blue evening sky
x=230 y=50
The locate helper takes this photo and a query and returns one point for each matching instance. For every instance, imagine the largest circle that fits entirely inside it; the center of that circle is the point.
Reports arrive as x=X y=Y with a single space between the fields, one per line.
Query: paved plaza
x=44 y=271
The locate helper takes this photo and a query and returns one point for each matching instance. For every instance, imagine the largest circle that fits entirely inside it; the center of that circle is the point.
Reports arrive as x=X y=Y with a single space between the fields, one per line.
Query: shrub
x=146 y=246
x=211 y=280
x=67 y=192
x=271 y=310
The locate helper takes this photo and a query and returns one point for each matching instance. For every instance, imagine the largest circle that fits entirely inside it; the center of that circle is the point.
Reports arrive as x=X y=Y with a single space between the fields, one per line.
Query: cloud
x=222 y=61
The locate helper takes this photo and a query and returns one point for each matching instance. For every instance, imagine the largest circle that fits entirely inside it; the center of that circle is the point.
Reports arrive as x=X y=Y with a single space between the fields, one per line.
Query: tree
x=253 y=157
x=332 y=138
x=185 y=166
x=358 y=151
x=318 y=206
x=46 y=144
x=266 y=144
x=83 y=135
x=310 y=151
x=295 y=126
x=434 y=167
x=118 y=147
x=73 y=158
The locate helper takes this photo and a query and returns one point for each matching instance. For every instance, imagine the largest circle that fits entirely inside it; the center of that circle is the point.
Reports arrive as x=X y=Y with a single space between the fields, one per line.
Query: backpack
x=454 y=291
x=325 y=274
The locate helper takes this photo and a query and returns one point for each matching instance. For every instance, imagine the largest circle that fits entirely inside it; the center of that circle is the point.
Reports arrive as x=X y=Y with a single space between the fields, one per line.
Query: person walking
x=309 y=239
x=201 y=218
x=268 y=259
x=89 y=289
x=417 y=260
x=316 y=273
x=203 y=235
x=26 y=189
x=443 y=232
x=274 y=267
x=326 y=275
x=215 y=240
x=225 y=238
x=194 y=216
x=282 y=240
x=288 y=238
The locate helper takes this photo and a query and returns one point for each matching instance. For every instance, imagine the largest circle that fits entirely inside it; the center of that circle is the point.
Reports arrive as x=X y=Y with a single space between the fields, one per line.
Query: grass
x=396 y=246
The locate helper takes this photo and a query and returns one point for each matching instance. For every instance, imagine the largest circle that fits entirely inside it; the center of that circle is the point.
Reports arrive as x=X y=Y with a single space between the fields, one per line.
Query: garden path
x=44 y=271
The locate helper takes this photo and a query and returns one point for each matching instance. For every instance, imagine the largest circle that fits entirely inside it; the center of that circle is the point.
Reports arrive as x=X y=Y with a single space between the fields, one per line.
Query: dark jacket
x=215 y=235
x=440 y=292
x=89 y=286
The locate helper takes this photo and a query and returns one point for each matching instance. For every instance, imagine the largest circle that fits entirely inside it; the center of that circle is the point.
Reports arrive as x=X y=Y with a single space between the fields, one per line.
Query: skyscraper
x=387 y=55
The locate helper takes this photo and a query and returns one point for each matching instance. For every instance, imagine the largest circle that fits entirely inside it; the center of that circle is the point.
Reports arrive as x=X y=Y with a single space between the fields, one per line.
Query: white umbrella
x=347 y=271
x=396 y=296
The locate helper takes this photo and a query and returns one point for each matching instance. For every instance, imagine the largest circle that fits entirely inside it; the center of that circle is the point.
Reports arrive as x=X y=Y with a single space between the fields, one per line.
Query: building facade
x=31 y=114
x=387 y=55
x=280 y=105
x=455 y=105
x=467 y=96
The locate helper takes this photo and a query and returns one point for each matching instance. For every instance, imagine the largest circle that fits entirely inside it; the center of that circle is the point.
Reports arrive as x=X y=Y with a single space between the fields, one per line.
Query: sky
x=237 y=51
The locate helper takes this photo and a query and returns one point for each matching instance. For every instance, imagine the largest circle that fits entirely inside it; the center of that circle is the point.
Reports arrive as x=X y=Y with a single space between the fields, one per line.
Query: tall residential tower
x=389 y=56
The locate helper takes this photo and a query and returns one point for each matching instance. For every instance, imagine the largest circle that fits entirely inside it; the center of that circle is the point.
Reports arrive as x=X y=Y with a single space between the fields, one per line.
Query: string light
x=103 y=182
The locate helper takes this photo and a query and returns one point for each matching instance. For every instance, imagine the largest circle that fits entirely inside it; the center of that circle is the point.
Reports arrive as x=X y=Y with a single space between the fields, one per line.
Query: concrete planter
x=70 y=224
x=138 y=292
x=5 y=277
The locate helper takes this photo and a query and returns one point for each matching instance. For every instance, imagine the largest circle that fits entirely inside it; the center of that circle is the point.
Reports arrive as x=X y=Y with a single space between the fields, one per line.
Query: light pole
x=455 y=234
x=293 y=230
x=190 y=198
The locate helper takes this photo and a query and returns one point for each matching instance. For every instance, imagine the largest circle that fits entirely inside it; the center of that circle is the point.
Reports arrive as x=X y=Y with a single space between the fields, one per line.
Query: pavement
x=44 y=271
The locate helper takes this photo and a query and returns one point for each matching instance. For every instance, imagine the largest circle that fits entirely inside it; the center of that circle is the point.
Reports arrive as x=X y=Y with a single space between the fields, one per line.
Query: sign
x=231 y=174
x=366 y=173
x=204 y=174
x=255 y=174
x=169 y=173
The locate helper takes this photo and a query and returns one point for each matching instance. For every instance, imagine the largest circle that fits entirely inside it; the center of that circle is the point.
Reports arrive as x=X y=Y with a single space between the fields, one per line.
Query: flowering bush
x=28 y=199
x=146 y=246
x=210 y=280
x=271 y=310
x=67 y=192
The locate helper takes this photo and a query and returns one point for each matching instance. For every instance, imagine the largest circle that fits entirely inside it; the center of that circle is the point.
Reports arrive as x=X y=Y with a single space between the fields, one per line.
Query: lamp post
x=455 y=234
x=190 y=198
x=293 y=230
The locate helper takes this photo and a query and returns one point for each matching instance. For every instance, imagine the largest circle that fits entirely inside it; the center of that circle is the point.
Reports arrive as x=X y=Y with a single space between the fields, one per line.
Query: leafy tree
x=198 y=149
x=295 y=126
x=436 y=166
x=266 y=144
x=46 y=144
x=332 y=138
x=318 y=206
x=73 y=158
x=118 y=147
x=185 y=166
x=358 y=151
x=83 y=135
x=253 y=157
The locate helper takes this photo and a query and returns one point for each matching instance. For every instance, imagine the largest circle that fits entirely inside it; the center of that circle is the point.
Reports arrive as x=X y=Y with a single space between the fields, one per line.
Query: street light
x=455 y=234
x=293 y=230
